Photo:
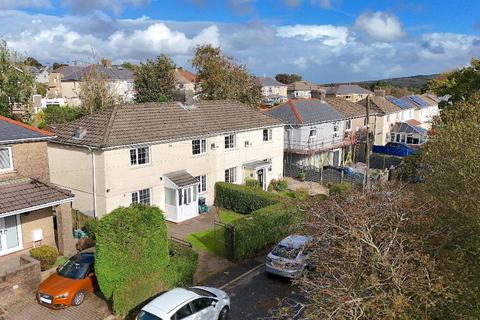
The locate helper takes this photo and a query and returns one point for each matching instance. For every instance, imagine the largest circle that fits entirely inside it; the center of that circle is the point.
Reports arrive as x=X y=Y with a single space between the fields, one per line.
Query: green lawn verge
x=228 y=216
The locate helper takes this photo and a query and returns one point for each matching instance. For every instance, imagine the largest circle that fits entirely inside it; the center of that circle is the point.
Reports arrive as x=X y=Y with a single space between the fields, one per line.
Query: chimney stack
x=379 y=93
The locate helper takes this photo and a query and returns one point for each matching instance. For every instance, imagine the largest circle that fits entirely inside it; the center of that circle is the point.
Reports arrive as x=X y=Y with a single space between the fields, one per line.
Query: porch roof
x=25 y=195
x=181 y=178
x=257 y=164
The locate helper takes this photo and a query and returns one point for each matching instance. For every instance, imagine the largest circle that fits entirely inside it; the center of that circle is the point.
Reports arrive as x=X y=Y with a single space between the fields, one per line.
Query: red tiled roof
x=295 y=111
x=414 y=122
x=18 y=123
x=187 y=75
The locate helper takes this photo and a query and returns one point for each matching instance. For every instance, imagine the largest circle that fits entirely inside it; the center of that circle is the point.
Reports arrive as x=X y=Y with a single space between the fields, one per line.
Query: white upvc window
x=6 y=159
x=348 y=124
x=139 y=156
x=267 y=134
x=231 y=175
x=199 y=146
x=187 y=195
x=141 y=196
x=230 y=141
x=313 y=132
x=202 y=185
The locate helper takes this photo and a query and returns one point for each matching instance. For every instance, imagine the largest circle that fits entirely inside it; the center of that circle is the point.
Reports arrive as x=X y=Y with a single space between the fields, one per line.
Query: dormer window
x=6 y=161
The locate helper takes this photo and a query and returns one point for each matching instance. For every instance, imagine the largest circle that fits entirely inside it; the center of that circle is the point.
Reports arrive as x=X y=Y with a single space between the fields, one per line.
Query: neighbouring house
x=315 y=132
x=164 y=154
x=39 y=75
x=273 y=91
x=33 y=212
x=40 y=103
x=409 y=133
x=302 y=89
x=350 y=92
x=186 y=82
x=55 y=76
x=426 y=107
x=387 y=115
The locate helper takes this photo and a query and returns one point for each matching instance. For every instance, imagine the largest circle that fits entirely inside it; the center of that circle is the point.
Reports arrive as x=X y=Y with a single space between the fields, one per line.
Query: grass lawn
x=205 y=240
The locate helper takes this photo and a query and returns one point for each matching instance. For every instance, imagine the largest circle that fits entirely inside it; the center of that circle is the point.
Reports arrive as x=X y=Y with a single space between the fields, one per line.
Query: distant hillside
x=404 y=82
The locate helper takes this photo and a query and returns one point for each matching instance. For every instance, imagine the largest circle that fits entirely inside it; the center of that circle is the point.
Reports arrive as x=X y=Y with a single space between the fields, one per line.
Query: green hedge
x=131 y=246
x=261 y=229
x=254 y=183
x=182 y=266
x=243 y=199
x=47 y=256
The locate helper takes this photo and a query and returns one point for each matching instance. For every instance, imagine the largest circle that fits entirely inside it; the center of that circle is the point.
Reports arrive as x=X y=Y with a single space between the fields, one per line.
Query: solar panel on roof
x=419 y=101
x=402 y=104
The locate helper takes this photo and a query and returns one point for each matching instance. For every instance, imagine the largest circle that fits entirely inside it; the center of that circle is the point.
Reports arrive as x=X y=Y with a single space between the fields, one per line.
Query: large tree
x=155 y=80
x=16 y=84
x=221 y=78
x=96 y=91
x=368 y=262
x=286 y=78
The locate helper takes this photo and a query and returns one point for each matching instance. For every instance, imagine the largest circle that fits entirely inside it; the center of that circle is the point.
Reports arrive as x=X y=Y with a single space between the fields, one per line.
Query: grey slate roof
x=270 y=82
x=135 y=124
x=351 y=89
x=27 y=193
x=67 y=70
x=305 y=111
x=181 y=178
x=113 y=72
x=12 y=131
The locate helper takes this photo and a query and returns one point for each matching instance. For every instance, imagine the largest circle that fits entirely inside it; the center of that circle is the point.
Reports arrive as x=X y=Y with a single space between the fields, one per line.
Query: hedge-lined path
x=201 y=223
x=93 y=308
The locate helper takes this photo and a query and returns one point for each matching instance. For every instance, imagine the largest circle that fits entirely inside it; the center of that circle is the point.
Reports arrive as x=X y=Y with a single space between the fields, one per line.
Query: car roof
x=295 y=241
x=169 y=301
x=84 y=257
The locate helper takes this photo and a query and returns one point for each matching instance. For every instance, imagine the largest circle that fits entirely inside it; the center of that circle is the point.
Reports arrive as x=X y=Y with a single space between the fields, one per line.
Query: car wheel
x=223 y=314
x=78 y=298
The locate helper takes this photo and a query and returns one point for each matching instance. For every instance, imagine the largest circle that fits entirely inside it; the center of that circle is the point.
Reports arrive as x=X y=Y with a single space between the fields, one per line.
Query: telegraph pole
x=366 y=181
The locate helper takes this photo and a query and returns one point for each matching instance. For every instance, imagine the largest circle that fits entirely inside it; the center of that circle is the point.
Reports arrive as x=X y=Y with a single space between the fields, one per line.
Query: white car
x=197 y=303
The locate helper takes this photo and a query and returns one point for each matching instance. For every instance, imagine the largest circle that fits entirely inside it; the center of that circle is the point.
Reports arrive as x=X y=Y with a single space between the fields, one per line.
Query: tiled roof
x=303 y=85
x=16 y=195
x=431 y=99
x=270 y=82
x=382 y=104
x=185 y=76
x=113 y=72
x=161 y=122
x=305 y=111
x=12 y=131
x=351 y=89
x=67 y=70
x=181 y=178
x=347 y=108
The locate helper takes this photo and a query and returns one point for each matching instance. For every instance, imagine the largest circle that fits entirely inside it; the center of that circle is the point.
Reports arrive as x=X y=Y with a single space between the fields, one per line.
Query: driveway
x=93 y=308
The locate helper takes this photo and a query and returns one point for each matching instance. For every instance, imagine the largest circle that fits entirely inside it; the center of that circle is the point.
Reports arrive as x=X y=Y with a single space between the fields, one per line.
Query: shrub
x=252 y=183
x=243 y=199
x=261 y=228
x=279 y=185
x=47 y=256
x=340 y=188
x=132 y=246
x=90 y=228
x=182 y=266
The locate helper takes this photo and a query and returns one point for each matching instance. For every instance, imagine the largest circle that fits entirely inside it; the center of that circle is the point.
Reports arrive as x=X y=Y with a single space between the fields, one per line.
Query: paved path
x=183 y=229
x=93 y=308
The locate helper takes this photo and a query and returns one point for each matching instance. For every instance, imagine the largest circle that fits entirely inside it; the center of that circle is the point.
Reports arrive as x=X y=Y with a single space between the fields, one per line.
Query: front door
x=261 y=178
x=10 y=234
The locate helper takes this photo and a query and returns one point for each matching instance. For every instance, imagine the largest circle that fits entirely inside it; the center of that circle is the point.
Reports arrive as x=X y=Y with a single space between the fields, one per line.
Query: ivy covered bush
x=132 y=246
x=279 y=185
x=243 y=199
x=47 y=255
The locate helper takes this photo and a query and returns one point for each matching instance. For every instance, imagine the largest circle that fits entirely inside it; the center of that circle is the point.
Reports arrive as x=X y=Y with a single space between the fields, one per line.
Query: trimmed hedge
x=253 y=183
x=47 y=256
x=261 y=229
x=182 y=266
x=243 y=199
x=131 y=248
x=90 y=228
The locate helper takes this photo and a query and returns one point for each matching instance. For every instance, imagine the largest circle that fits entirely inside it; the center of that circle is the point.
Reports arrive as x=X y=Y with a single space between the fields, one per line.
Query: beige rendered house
x=28 y=202
x=273 y=92
x=350 y=92
x=164 y=154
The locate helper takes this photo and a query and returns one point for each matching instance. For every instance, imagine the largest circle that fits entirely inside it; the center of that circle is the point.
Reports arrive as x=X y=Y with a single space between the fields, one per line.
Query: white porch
x=181 y=196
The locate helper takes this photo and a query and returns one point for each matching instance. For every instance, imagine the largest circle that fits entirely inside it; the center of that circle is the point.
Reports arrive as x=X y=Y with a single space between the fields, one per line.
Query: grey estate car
x=289 y=257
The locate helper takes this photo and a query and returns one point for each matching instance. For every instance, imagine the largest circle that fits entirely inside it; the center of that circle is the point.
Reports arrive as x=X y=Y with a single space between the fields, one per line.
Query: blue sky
x=324 y=40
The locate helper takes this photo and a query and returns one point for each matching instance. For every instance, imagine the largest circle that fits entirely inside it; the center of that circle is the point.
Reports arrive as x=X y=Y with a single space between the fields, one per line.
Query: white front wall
x=269 y=90
x=71 y=168
x=300 y=94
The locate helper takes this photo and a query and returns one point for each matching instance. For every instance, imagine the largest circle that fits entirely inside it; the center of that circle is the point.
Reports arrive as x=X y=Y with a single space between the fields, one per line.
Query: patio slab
x=201 y=223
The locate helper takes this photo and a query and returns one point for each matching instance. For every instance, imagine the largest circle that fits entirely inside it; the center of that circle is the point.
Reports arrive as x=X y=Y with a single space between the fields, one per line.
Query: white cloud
x=380 y=26
x=327 y=34
x=12 y=4
x=445 y=46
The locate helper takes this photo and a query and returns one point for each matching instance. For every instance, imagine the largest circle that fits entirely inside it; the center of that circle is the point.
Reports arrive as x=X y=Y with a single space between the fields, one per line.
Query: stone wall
x=17 y=283
x=66 y=243
x=30 y=159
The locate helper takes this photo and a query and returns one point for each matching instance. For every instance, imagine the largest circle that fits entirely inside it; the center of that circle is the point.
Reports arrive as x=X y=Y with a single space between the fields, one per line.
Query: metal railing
x=312 y=144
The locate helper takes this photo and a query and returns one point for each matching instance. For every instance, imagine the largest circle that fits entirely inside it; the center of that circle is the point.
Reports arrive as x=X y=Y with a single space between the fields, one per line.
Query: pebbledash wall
x=116 y=179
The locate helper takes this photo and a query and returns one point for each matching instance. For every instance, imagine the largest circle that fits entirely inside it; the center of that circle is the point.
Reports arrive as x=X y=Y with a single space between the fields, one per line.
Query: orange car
x=68 y=286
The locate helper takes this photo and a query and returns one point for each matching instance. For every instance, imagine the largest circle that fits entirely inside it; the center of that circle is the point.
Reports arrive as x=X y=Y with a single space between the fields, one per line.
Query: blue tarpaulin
x=394 y=149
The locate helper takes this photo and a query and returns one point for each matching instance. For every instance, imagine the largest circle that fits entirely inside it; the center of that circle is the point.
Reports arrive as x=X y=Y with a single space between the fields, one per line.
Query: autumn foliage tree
x=96 y=91
x=155 y=80
x=369 y=261
x=221 y=78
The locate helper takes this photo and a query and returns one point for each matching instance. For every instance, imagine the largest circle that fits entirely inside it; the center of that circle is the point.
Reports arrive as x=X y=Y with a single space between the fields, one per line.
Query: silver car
x=289 y=258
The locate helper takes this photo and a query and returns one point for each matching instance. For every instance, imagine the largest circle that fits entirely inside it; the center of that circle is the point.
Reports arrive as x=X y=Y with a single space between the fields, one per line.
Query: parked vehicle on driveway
x=69 y=285
x=289 y=258
x=197 y=303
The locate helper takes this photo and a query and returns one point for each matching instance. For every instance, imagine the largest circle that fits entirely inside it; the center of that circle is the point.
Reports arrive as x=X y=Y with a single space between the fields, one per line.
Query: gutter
x=38 y=207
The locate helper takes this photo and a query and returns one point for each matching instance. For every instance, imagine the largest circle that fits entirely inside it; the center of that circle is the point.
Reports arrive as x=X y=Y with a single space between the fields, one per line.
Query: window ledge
x=138 y=166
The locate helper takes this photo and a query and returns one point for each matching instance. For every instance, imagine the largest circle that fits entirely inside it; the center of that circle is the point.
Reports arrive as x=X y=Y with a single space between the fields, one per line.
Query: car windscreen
x=201 y=292
x=144 y=315
x=74 y=270
x=285 y=252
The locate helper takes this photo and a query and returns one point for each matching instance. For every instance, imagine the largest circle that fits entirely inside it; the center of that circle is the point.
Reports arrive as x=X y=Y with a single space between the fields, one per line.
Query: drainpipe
x=94 y=181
